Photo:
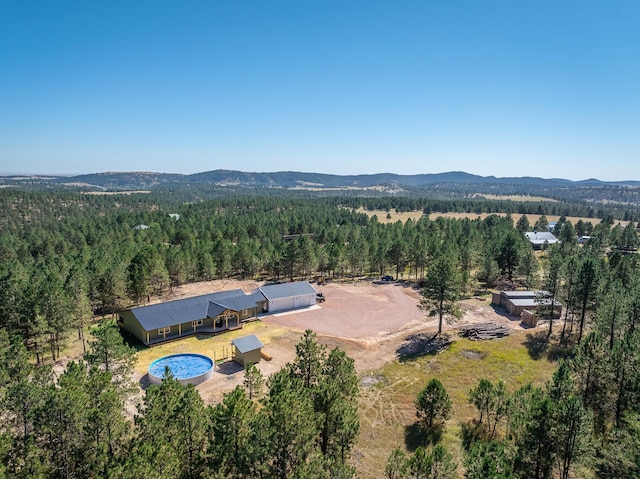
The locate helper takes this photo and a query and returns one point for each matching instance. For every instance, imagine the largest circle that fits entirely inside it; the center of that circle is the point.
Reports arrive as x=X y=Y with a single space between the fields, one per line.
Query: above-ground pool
x=186 y=368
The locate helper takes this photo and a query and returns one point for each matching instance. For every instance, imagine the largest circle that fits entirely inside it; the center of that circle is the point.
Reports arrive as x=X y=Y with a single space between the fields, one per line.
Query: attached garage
x=288 y=296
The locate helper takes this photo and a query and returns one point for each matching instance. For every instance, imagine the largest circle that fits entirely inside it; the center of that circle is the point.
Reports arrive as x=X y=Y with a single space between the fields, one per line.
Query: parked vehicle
x=387 y=278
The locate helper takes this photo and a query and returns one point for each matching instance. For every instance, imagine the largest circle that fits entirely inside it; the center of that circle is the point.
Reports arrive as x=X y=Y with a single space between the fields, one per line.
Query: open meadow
x=393 y=217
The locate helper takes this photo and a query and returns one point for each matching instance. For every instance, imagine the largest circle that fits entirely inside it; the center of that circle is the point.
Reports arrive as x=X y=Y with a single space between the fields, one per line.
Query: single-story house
x=208 y=313
x=540 y=239
x=284 y=296
x=211 y=313
x=515 y=302
x=247 y=350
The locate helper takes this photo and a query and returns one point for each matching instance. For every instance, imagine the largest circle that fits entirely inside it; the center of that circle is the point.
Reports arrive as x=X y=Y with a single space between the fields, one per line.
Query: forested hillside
x=456 y=184
x=67 y=256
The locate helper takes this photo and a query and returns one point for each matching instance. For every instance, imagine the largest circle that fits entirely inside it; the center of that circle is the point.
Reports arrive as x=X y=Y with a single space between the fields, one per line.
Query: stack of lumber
x=479 y=332
x=422 y=344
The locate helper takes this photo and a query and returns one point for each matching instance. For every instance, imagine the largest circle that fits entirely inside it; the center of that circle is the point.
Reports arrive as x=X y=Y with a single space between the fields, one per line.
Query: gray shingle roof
x=287 y=290
x=247 y=343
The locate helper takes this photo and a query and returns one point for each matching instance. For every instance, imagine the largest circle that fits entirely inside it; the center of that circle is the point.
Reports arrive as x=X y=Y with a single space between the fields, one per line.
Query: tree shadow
x=229 y=368
x=416 y=436
x=541 y=345
x=471 y=432
x=557 y=351
x=422 y=344
x=131 y=341
x=537 y=344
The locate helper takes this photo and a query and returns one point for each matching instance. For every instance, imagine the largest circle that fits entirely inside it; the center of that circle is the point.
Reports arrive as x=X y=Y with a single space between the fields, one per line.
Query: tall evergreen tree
x=442 y=287
x=433 y=405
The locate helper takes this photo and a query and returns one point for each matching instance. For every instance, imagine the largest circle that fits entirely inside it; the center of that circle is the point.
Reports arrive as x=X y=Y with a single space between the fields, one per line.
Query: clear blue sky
x=546 y=88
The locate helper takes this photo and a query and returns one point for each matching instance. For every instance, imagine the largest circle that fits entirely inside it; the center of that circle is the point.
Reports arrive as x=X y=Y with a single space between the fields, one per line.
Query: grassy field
x=387 y=407
x=522 y=198
x=393 y=216
x=416 y=215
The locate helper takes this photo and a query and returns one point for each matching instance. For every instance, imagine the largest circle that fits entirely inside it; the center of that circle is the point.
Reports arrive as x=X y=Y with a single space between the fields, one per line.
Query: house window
x=164 y=330
x=197 y=323
x=244 y=312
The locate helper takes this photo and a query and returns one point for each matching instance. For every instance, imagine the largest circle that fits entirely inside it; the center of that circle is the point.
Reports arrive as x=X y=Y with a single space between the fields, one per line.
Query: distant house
x=211 y=313
x=141 y=227
x=516 y=302
x=175 y=216
x=541 y=239
x=247 y=350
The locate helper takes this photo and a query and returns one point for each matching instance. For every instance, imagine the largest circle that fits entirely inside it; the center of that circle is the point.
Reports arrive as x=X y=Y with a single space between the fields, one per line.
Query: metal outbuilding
x=515 y=302
x=287 y=296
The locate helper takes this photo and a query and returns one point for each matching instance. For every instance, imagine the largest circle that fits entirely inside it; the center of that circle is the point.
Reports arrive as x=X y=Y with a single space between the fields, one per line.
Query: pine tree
x=433 y=406
x=442 y=288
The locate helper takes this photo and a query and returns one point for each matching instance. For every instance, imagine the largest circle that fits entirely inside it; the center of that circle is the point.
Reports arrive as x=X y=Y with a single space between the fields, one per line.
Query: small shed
x=529 y=318
x=247 y=350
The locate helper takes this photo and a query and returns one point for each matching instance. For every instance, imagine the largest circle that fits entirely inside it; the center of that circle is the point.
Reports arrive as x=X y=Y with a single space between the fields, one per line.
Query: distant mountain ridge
x=293 y=179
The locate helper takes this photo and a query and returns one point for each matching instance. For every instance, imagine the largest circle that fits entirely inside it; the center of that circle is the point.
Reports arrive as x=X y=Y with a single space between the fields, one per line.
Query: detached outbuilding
x=247 y=350
x=516 y=302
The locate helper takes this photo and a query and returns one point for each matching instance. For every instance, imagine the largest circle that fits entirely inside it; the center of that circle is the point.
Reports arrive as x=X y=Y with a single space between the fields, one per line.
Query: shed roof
x=532 y=303
x=287 y=290
x=247 y=343
x=520 y=294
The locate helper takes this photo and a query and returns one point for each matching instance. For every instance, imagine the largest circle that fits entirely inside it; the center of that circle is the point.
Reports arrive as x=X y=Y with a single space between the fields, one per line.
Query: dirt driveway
x=362 y=312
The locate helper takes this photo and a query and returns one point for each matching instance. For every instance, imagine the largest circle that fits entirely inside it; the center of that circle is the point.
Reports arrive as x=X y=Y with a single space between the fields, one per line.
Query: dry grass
x=416 y=215
x=393 y=217
x=217 y=347
x=522 y=198
x=532 y=218
x=387 y=408
x=138 y=192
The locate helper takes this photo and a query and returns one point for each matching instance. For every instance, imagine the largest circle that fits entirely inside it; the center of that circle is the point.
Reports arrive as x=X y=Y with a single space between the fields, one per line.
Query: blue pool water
x=182 y=366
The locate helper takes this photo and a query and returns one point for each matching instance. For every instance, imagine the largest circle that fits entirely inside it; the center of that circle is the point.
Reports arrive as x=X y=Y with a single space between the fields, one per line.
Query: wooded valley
x=69 y=259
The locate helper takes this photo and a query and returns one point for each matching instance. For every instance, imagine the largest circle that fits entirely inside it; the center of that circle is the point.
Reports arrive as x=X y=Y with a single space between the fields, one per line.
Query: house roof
x=161 y=315
x=238 y=303
x=247 y=343
x=287 y=290
x=541 y=237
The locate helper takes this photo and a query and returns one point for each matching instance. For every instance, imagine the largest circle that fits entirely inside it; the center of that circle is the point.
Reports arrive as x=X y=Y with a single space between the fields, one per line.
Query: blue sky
x=507 y=88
